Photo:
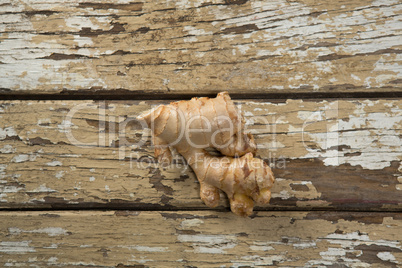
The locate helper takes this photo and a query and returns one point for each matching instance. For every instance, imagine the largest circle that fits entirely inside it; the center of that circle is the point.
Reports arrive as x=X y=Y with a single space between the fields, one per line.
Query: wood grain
x=198 y=46
x=199 y=239
x=336 y=155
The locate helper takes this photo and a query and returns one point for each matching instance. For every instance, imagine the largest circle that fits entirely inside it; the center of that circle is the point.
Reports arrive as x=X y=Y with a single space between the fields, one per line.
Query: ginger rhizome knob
x=191 y=127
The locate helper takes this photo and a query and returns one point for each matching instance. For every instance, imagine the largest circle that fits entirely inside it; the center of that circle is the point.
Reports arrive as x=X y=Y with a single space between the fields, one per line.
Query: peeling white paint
x=374 y=135
x=190 y=39
x=8 y=149
x=304 y=245
x=66 y=126
x=26 y=65
x=310 y=116
x=50 y=231
x=10 y=189
x=13 y=247
x=185 y=224
x=52 y=246
x=248 y=113
x=387 y=256
x=384 y=64
x=325 y=67
x=282 y=195
x=342 y=244
x=256 y=260
x=243 y=49
x=350 y=240
x=52 y=260
x=195 y=31
x=77 y=23
x=249 y=121
x=23 y=158
x=86 y=246
x=150 y=249
x=3 y=197
x=332 y=254
x=212 y=244
x=3 y=173
x=71 y=155
x=141 y=259
x=60 y=174
x=261 y=248
x=81 y=263
x=44 y=122
x=43 y=189
x=83 y=41
x=355 y=77
x=54 y=163
x=291 y=22
x=7 y=132
x=384 y=2
x=183 y=4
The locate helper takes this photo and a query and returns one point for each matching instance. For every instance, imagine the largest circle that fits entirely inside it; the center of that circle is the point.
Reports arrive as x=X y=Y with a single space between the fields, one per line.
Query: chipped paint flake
x=65 y=126
x=140 y=259
x=60 y=174
x=261 y=248
x=387 y=256
x=257 y=260
x=23 y=158
x=7 y=149
x=150 y=249
x=54 y=163
x=13 y=247
x=50 y=231
x=186 y=224
x=43 y=189
x=10 y=189
x=211 y=244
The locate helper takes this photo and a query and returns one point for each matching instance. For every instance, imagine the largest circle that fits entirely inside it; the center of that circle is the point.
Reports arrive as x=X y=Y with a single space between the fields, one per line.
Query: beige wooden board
x=85 y=154
x=200 y=46
x=199 y=239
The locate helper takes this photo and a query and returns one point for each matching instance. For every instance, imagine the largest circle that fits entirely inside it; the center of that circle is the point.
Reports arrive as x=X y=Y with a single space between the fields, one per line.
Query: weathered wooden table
x=319 y=83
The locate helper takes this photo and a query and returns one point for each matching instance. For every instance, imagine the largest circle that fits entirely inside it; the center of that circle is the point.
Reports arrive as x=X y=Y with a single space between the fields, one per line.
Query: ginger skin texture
x=191 y=127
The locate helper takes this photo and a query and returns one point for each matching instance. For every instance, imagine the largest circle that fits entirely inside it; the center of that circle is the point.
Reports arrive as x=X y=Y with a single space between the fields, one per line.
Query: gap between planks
x=220 y=209
x=121 y=94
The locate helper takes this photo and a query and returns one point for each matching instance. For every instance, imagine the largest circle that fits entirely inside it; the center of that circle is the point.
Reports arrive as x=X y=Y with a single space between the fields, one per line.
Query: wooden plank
x=77 y=154
x=200 y=46
x=200 y=239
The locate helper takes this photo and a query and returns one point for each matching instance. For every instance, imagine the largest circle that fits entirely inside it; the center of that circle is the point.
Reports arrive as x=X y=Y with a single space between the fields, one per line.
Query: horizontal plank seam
x=116 y=95
x=194 y=211
x=156 y=209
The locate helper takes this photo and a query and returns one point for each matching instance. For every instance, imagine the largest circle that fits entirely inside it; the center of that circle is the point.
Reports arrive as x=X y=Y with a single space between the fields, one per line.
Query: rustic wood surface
x=343 y=155
x=68 y=154
x=199 y=239
x=199 y=46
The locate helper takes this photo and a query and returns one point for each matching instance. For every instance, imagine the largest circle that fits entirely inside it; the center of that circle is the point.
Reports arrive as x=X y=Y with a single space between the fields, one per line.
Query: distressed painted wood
x=200 y=46
x=343 y=155
x=200 y=239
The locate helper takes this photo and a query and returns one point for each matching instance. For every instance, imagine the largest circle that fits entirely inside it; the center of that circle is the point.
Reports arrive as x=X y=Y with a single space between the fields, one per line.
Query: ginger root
x=191 y=127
